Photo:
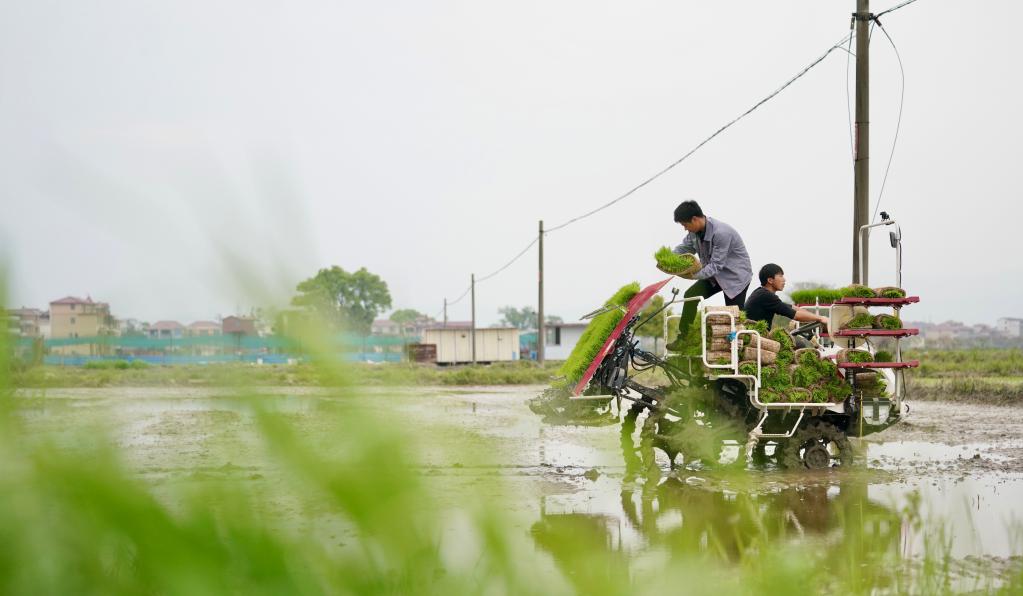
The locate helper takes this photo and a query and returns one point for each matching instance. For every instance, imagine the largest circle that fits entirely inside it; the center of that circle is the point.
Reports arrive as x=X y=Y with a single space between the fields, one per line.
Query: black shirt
x=763 y=305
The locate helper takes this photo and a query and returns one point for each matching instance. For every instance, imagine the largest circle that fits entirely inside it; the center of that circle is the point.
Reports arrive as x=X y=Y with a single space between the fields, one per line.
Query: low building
x=455 y=346
x=166 y=330
x=1010 y=327
x=25 y=322
x=204 y=329
x=560 y=339
x=74 y=318
x=238 y=326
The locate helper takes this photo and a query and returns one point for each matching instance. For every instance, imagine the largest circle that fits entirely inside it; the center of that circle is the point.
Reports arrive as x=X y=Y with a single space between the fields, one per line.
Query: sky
x=184 y=160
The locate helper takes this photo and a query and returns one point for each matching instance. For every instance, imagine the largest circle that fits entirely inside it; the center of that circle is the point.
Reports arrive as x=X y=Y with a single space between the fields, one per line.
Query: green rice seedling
x=595 y=334
x=857 y=291
x=890 y=292
x=884 y=356
x=798 y=395
x=781 y=336
x=838 y=389
x=769 y=396
x=748 y=368
x=816 y=296
x=819 y=394
x=858 y=356
x=860 y=321
x=807 y=357
x=827 y=369
x=776 y=378
x=887 y=322
x=760 y=327
x=669 y=262
x=805 y=376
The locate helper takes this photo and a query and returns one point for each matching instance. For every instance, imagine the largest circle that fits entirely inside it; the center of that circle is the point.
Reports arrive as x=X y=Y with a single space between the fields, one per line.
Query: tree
x=524 y=318
x=342 y=299
x=553 y=320
x=405 y=317
x=654 y=327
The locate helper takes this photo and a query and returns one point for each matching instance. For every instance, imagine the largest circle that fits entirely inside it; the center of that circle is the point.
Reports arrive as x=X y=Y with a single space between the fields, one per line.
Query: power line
x=893 y=9
x=672 y=165
x=509 y=263
x=898 y=122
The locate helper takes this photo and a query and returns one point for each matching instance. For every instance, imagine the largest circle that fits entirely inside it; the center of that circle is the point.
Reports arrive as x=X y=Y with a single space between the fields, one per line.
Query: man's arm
x=687 y=247
x=805 y=316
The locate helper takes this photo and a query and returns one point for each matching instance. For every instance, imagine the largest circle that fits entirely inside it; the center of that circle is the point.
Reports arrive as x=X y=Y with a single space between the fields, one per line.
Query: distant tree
x=343 y=299
x=404 y=316
x=553 y=320
x=654 y=327
x=522 y=318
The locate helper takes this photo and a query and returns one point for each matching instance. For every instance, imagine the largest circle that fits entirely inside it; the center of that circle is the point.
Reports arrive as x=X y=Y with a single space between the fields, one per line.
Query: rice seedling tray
x=876 y=333
x=878 y=301
x=907 y=364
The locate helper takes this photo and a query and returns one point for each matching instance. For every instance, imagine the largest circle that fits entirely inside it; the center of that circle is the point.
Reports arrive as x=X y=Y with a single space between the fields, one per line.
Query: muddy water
x=960 y=464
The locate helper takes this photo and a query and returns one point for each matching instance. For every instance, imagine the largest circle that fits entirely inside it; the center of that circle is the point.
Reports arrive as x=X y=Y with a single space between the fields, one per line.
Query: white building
x=1010 y=327
x=454 y=343
x=560 y=339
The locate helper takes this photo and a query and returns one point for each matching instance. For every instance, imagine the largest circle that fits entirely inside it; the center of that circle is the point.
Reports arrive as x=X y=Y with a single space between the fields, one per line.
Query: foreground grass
x=251 y=375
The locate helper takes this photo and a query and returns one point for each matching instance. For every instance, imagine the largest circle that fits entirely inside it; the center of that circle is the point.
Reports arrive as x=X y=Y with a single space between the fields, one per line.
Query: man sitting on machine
x=764 y=304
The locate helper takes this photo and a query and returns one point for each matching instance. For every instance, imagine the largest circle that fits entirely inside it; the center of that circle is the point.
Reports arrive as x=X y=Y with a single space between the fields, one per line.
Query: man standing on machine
x=726 y=264
x=763 y=304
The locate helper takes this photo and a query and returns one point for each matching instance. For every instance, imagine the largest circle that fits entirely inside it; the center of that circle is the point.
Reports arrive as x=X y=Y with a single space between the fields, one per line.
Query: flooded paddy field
x=951 y=474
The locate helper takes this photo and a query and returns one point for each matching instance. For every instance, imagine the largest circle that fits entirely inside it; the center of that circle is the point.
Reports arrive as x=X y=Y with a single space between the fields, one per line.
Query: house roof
x=463 y=325
x=201 y=324
x=162 y=325
x=72 y=300
x=25 y=312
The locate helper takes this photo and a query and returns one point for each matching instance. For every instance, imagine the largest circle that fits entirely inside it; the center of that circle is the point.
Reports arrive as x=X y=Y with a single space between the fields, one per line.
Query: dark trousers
x=705 y=288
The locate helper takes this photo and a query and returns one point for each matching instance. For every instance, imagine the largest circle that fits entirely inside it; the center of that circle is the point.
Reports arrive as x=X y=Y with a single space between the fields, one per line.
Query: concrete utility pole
x=539 y=310
x=472 y=336
x=861 y=185
x=445 y=312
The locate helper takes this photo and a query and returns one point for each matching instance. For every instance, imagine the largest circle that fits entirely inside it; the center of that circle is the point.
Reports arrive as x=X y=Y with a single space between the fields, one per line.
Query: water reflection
x=682 y=521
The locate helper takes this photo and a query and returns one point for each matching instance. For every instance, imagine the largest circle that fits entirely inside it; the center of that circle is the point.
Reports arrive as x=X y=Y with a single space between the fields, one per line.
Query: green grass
x=670 y=262
x=274 y=375
x=115 y=364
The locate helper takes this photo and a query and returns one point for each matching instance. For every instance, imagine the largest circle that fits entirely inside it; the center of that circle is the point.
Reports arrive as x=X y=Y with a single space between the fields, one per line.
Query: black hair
x=768 y=271
x=686 y=211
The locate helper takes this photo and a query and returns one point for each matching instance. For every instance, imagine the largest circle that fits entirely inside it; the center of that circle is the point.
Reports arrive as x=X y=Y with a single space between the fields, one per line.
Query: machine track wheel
x=817 y=445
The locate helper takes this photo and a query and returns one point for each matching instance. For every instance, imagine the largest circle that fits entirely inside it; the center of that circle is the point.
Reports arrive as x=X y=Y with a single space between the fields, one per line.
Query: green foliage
x=860 y=321
x=769 y=396
x=808 y=357
x=520 y=318
x=838 y=389
x=891 y=292
x=776 y=378
x=819 y=394
x=115 y=364
x=857 y=291
x=816 y=295
x=343 y=299
x=406 y=316
x=760 y=327
x=670 y=262
x=887 y=322
x=595 y=334
x=748 y=368
x=655 y=326
x=781 y=336
x=798 y=395
x=884 y=356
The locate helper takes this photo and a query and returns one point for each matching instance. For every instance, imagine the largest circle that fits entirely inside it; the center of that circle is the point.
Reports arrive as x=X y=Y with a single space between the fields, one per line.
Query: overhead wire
x=893 y=9
x=509 y=263
x=675 y=163
x=898 y=122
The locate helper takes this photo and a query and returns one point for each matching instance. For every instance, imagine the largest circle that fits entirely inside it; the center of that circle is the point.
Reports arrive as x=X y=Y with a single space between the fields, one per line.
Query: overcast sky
x=184 y=159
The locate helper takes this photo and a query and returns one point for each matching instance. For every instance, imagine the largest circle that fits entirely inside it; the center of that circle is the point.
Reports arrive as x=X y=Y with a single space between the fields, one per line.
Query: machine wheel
x=817 y=445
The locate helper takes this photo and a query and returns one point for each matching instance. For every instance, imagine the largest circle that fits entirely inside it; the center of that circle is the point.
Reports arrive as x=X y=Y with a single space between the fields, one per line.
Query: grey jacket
x=723 y=256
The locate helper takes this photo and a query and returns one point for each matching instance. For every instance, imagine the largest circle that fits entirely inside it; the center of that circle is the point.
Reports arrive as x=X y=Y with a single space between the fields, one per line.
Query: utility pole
x=445 y=312
x=539 y=310
x=472 y=336
x=861 y=174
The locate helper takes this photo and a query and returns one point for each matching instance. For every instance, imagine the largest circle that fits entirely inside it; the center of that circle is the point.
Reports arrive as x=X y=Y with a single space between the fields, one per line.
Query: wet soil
x=960 y=463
